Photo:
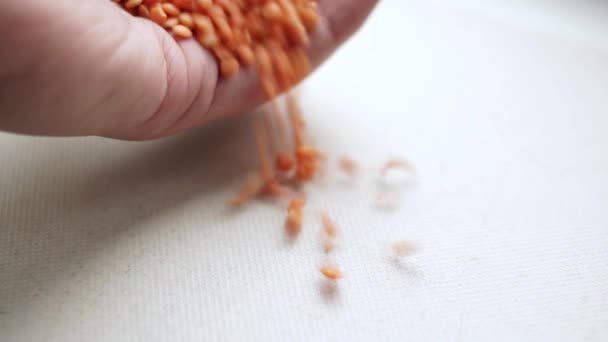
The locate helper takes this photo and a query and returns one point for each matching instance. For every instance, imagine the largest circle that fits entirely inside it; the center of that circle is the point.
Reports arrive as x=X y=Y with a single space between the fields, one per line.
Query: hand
x=74 y=68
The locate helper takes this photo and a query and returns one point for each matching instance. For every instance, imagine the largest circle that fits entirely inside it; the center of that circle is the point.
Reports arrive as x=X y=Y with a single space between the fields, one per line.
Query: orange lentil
x=294 y=216
x=348 y=166
x=245 y=54
x=328 y=245
x=271 y=10
x=215 y=11
x=331 y=272
x=330 y=228
x=297 y=203
x=280 y=126
x=229 y=67
x=278 y=34
x=274 y=189
x=272 y=126
x=300 y=62
x=295 y=119
x=263 y=59
x=329 y=232
x=183 y=4
x=240 y=37
x=208 y=39
x=224 y=30
x=204 y=4
x=294 y=24
x=294 y=222
x=309 y=17
x=264 y=64
x=143 y=11
x=284 y=162
x=261 y=140
x=133 y=3
x=307 y=163
x=222 y=53
x=202 y=23
x=280 y=63
x=182 y=31
x=309 y=156
x=255 y=25
x=387 y=199
x=186 y=20
x=404 y=248
x=170 y=9
x=233 y=10
x=252 y=185
x=396 y=164
x=158 y=15
x=170 y=23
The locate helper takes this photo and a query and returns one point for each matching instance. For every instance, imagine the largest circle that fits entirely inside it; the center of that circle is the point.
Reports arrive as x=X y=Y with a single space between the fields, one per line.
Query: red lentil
x=170 y=9
x=182 y=31
x=329 y=233
x=261 y=137
x=401 y=164
x=284 y=162
x=349 y=166
x=331 y=272
x=143 y=11
x=229 y=67
x=330 y=228
x=170 y=23
x=185 y=19
x=245 y=54
x=404 y=248
x=158 y=15
x=294 y=215
x=251 y=187
x=133 y=3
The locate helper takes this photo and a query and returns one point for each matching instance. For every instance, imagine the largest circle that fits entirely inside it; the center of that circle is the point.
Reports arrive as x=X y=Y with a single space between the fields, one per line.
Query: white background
x=500 y=105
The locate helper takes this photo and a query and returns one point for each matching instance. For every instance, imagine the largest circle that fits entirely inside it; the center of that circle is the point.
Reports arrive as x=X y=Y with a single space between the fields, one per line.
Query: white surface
x=111 y=241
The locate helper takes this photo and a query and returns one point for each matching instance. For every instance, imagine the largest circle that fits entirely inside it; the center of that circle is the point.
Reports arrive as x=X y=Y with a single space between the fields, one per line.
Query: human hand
x=75 y=68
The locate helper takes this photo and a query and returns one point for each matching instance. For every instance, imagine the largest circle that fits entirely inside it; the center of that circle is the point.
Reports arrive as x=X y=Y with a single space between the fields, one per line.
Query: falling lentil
x=331 y=272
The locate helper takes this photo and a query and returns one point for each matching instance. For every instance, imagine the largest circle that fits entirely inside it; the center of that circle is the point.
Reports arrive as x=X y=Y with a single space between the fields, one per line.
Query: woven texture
x=104 y=240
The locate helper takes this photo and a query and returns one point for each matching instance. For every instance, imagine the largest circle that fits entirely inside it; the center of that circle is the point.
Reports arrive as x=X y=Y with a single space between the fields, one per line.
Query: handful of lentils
x=270 y=34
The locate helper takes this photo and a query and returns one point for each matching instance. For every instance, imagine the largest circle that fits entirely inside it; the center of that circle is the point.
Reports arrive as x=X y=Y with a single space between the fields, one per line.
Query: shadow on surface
x=78 y=206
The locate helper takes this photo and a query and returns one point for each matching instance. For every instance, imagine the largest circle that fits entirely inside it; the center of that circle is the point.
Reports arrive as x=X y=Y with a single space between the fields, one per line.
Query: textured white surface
x=111 y=241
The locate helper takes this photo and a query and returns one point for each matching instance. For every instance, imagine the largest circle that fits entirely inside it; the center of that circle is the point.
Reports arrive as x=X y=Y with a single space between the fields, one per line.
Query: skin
x=79 y=68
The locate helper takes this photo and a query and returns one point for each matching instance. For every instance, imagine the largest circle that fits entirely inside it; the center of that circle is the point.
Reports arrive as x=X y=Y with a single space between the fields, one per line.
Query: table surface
x=503 y=112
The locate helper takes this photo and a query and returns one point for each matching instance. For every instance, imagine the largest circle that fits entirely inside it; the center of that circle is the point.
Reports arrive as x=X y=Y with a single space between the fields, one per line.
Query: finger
x=186 y=73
